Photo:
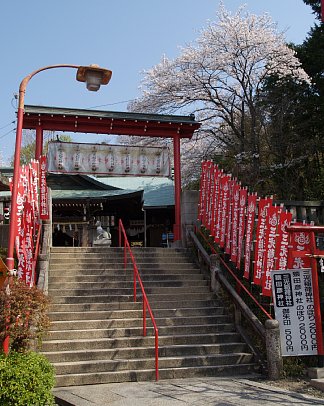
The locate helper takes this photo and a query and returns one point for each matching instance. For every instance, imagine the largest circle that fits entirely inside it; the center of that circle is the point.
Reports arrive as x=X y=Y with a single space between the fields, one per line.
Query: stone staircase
x=96 y=330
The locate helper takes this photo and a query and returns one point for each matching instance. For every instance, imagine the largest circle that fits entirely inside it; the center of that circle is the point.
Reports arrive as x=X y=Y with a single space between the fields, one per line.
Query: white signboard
x=104 y=159
x=294 y=309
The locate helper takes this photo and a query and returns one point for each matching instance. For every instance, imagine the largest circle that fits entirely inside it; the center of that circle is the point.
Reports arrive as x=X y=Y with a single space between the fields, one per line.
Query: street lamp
x=93 y=76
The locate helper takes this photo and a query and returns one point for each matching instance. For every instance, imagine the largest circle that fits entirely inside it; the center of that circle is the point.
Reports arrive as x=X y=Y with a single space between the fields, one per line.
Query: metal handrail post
x=144 y=318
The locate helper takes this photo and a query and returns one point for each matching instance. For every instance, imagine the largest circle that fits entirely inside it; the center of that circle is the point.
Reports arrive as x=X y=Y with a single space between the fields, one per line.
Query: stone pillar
x=85 y=235
x=215 y=268
x=43 y=262
x=47 y=237
x=275 y=363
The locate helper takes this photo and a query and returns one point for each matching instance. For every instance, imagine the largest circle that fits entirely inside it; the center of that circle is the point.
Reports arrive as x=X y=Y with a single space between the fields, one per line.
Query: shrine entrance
x=41 y=118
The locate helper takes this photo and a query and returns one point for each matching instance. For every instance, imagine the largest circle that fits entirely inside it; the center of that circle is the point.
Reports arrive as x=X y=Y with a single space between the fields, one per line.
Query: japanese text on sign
x=294 y=309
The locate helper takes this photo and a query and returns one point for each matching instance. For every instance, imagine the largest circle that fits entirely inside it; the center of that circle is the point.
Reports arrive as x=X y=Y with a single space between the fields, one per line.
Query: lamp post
x=93 y=76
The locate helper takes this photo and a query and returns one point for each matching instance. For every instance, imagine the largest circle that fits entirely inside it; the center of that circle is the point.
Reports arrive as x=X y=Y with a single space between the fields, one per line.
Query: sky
x=125 y=36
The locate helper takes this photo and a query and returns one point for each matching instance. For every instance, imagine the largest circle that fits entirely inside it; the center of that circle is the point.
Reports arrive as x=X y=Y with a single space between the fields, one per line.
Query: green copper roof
x=93 y=194
x=158 y=192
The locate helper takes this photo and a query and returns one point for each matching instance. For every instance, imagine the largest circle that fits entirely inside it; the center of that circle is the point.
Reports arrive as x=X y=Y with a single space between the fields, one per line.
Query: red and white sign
x=282 y=241
x=224 y=209
x=241 y=225
x=43 y=191
x=251 y=208
x=26 y=246
x=270 y=244
x=228 y=240
x=215 y=200
x=211 y=197
x=235 y=217
x=299 y=242
x=201 y=191
x=260 y=246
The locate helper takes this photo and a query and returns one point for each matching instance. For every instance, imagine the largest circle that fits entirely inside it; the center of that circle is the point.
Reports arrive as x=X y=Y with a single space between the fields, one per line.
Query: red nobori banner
x=270 y=252
x=34 y=186
x=205 y=197
x=201 y=191
x=224 y=208
x=217 y=207
x=43 y=191
x=251 y=207
x=22 y=188
x=228 y=241
x=215 y=200
x=209 y=185
x=299 y=242
x=281 y=261
x=241 y=225
x=211 y=192
x=260 y=247
x=26 y=245
x=218 y=219
x=235 y=219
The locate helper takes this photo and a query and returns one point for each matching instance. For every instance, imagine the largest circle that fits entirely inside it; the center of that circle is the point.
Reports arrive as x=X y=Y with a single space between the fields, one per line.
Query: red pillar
x=39 y=142
x=177 y=187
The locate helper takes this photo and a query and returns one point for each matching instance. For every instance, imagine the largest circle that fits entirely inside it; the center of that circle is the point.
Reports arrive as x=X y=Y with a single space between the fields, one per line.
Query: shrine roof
x=108 y=122
x=94 y=194
x=158 y=191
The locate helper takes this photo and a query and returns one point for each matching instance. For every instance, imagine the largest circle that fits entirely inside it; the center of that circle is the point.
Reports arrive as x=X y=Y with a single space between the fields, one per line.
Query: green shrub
x=26 y=379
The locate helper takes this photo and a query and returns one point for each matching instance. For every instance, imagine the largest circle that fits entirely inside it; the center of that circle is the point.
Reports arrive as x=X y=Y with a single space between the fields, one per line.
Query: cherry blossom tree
x=219 y=78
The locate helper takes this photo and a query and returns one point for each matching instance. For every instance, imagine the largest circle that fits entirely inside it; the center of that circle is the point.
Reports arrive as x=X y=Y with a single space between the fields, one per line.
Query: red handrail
x=146 y=305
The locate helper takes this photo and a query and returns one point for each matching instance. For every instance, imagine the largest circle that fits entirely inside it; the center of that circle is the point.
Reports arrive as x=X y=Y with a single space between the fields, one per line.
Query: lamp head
x=93 y=76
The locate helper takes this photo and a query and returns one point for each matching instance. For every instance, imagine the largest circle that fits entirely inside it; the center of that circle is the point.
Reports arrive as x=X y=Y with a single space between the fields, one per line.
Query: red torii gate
x=42 y=118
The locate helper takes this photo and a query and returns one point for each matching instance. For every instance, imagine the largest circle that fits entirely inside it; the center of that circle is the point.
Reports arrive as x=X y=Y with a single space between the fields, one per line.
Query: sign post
x=295 y=310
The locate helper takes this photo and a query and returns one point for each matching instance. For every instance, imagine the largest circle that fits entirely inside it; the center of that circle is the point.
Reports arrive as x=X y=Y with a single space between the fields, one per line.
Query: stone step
x=131 y=305
x=137 y=331
x=71 y=267
x=96 y=306
x=171 y=290
x=104 y=250
x=99 y=272
x=149 y=375
x=145 y=352
x=96 y=335
x=89 y=344
x=126 y=284
x=121 y=273
x=137 y=322
x=94 y=366
x=119 y=314
x=127 y=298
x=120 y=257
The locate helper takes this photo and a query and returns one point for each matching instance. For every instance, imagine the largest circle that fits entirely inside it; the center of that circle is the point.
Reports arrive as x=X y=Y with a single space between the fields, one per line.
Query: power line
x=111 y=104
x=11 y=122
x=3 y=135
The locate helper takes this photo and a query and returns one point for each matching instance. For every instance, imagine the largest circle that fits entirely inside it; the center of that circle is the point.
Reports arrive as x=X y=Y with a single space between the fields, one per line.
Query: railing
x=146 y=305
x=240 y=306
x=240 y=285
x=35 y=254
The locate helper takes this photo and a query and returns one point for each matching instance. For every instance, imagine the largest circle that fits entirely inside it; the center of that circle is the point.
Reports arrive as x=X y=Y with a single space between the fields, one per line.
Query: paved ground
x=182 y=392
